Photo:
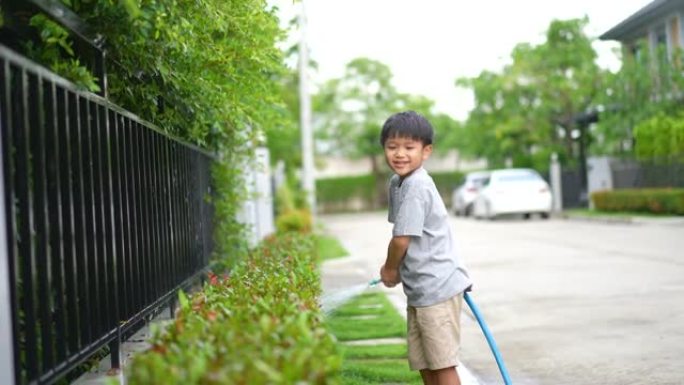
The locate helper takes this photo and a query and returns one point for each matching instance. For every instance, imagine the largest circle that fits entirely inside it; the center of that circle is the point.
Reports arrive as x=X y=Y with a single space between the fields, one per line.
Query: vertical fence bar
x=160 y=213
x=126 y=222
x=99 y=236
x=8 y=342
x=65 y=109
x=153 y=212
x=137 y=148
x=26 y=256
x=80 y=208
x=187 y=212
x=118 y=214
x=42 y=228
x=174 y=205
x=54 y=177
x=135 y=233
x=91 y=258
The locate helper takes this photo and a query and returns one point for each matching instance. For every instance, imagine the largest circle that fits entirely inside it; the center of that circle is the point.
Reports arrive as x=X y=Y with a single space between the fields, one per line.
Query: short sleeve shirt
x=431 y=272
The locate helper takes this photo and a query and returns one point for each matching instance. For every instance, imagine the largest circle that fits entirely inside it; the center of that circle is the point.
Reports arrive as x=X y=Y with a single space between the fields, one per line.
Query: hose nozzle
x=374 y=282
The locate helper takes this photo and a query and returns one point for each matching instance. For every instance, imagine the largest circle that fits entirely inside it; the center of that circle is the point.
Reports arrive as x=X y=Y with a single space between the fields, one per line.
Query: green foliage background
x=338 y=194
x=205 y=71
x=655 y=200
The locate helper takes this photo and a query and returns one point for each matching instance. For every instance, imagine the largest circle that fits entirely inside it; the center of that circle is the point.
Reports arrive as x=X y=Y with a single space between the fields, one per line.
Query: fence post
x=556 y=184
x=6 y=337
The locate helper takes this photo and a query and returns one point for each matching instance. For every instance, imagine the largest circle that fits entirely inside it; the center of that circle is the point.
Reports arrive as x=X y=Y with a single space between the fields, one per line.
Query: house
x=659 y=23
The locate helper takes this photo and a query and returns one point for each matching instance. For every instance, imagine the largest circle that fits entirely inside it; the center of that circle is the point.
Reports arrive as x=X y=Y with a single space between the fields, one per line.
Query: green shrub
x=298 y=220
x=446 y=182
x=658 y=201
x=331 y=190
x=260 y=325
x=284 y=199
x=354 y=193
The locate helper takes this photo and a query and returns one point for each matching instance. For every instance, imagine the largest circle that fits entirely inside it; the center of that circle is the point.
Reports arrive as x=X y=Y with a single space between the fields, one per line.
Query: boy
x=421 y=253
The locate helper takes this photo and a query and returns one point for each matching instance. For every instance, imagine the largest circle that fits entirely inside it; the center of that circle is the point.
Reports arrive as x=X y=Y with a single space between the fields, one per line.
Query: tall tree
x=646 y=91
x=349 y=112
x=530 y=108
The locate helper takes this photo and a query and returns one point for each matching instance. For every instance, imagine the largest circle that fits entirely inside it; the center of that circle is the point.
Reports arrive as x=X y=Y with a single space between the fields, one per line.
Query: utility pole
x=308 y=180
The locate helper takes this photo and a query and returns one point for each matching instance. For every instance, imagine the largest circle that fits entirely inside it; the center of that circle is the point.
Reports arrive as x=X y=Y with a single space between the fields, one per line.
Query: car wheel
x=489 y=215
x=527 y=216
x=468 y=210
x=545 y=215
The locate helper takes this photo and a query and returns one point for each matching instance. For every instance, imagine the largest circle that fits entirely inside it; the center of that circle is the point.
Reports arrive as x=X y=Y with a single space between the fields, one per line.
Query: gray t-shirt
x=431 y=271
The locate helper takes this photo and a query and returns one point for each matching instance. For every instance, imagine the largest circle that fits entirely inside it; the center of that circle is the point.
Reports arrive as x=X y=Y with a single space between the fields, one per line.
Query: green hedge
x=657 y=201
x=260 y=325
x=354 y=193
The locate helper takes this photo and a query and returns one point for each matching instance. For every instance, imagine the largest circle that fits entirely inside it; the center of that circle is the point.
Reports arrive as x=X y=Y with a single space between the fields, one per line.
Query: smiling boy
x=421 y=254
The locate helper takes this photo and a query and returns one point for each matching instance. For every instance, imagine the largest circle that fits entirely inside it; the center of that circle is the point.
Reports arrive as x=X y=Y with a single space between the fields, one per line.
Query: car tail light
x=471 y=189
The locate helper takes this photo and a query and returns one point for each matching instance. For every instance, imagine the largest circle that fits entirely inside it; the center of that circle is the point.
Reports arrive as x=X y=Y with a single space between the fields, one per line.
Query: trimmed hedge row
x=657 y=201
x=354 y=193
x=260 y=325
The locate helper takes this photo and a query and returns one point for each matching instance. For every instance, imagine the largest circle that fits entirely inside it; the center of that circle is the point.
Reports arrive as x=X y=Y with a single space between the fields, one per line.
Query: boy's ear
x=427 y=151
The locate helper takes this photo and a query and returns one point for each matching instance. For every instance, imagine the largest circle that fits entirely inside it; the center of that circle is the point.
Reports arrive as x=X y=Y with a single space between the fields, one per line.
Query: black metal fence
x=631 y=174
x=572 y=190
x=106 y=218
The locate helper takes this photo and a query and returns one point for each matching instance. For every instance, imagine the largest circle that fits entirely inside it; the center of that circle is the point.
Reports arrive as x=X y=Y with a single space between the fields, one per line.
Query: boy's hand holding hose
x=390 y=277
x=389 y=272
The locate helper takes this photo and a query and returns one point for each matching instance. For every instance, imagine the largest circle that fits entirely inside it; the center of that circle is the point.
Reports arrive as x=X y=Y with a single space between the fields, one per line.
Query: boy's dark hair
x=407 y=124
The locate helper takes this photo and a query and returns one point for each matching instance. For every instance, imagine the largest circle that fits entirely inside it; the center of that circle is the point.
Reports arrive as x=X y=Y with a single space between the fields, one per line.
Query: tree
x=529 y=109
x=646 y=92
x=349 y=113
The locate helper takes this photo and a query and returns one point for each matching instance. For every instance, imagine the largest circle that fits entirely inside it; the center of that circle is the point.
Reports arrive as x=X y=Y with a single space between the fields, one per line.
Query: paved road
x=569 y=302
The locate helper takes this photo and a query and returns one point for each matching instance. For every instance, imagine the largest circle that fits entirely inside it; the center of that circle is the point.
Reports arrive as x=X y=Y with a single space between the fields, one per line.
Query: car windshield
x=519 y=177
x=476 y=180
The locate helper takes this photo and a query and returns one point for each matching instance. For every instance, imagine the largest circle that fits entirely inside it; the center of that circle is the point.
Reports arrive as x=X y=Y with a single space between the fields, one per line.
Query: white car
x=513 y=191
x=464 y=195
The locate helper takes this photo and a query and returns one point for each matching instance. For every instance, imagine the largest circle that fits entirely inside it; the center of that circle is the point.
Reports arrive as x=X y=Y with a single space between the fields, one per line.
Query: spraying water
x=332 y=301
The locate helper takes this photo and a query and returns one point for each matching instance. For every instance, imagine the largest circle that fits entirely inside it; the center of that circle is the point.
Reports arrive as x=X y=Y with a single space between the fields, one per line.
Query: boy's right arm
x=389 y=273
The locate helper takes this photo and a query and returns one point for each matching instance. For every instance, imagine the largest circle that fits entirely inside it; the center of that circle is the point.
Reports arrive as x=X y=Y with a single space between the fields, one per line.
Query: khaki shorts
x=434 y=334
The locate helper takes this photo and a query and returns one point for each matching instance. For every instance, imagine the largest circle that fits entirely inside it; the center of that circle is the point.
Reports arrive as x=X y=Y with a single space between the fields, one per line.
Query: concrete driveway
x=569 y=302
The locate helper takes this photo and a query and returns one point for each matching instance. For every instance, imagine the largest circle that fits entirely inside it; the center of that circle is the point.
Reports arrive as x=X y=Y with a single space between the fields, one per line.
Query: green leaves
x=260 y=325
x=56 y=52
x=532 y=103
x=660 y=138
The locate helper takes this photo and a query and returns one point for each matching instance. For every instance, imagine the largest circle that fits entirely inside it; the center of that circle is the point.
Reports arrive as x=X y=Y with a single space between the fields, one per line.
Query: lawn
x=329 y=247
x=370 y=316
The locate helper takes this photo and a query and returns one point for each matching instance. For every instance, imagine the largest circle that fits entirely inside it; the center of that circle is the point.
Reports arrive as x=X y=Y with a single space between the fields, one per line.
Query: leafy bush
x=353 y=193
x=661 y=137
x=298 y=220
x=260 y=325
x=658 y=201
x=341 y=189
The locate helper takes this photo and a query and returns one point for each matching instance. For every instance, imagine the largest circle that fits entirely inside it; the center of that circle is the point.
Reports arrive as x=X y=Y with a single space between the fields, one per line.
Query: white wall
x=257 y=211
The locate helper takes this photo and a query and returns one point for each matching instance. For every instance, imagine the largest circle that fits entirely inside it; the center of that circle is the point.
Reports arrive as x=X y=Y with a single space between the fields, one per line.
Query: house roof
x=634 y=25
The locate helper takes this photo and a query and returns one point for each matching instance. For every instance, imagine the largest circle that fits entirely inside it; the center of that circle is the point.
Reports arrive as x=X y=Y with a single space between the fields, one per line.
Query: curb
x=666 y=221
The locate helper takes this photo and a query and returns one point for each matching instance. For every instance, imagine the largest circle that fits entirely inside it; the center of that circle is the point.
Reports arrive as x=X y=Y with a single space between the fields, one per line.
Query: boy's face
x=404 y=155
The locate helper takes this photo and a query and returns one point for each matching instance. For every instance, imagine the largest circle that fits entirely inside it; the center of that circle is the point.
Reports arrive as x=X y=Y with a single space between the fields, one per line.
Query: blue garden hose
x=489 y=337
x=485 y=330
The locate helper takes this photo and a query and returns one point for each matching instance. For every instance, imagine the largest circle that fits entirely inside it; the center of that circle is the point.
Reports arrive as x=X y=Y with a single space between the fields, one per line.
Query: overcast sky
x=429 y=43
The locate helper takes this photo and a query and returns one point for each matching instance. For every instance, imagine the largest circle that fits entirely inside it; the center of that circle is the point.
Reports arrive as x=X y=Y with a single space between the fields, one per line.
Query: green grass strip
x=395 y=351
x=387 y=322
x=329 y=247
x=371 y=364
x=378 y=372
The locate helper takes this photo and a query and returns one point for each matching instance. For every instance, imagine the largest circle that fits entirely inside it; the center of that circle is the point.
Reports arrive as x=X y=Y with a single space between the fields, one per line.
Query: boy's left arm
x=389 y=272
